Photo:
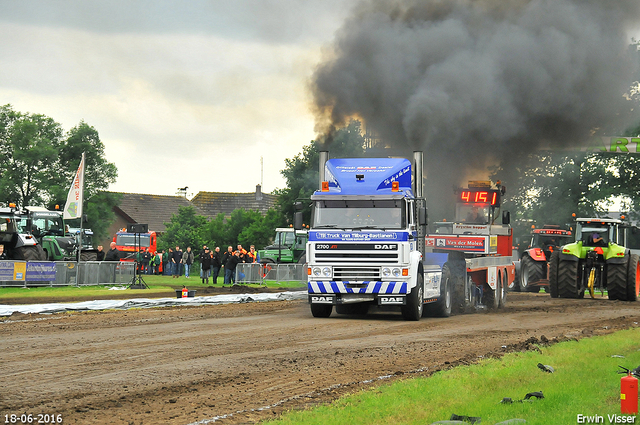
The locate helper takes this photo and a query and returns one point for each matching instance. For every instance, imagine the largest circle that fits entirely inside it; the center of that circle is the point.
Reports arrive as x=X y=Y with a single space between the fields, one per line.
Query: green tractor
x=598 y=260
x=17 y=241
x=49 y=229
x=289 y=246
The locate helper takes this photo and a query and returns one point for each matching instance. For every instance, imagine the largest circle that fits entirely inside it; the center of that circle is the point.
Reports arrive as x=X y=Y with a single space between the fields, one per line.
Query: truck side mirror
x=297 y=220
x=423 y=216
x=506 y=217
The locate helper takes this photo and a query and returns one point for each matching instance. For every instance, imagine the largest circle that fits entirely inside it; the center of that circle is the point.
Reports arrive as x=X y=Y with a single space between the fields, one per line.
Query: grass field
x=585 y=382
x=160 y=286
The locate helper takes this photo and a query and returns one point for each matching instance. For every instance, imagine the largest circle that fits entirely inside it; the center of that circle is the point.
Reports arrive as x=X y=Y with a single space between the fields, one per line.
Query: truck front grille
x=356 y=273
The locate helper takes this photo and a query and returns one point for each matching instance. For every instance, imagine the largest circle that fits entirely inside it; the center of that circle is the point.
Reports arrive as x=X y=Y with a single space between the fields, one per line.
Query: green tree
x=185 y=229
x=29 y=144
x=301 y=172
x=38 y=162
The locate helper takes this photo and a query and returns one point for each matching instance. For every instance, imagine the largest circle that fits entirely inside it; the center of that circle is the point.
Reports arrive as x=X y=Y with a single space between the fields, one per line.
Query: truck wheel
x=633 y=278
x=568 y=279
x=553 y=274
x=531 y=271
x=321 y=310
x=442 y=307
x=617 y=281
x=412 y=310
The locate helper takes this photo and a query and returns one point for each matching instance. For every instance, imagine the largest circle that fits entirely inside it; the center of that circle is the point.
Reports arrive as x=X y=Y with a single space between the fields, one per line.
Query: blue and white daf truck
x=367 y=244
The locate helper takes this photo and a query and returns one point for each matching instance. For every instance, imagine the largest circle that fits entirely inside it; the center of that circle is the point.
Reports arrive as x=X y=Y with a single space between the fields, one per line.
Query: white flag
x=73 y=207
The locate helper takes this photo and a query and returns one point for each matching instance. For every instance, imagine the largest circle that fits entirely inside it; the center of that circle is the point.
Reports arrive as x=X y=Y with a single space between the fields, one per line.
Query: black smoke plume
x=474 y=83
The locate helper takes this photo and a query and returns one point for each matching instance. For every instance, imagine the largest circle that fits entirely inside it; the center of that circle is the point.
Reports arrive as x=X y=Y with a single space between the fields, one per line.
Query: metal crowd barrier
x=279 y=273
x=69 y=273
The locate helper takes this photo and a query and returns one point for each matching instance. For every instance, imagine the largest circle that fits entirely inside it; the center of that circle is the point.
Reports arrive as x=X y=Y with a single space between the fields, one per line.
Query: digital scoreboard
x=480 y=196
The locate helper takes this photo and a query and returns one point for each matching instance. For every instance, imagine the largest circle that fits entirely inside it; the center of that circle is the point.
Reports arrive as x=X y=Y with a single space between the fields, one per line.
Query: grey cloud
x=470 y=82
x=278 y=21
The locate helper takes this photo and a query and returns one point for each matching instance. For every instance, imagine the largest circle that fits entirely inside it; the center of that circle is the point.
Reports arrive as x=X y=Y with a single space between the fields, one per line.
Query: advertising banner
x=478 y=244
x=41 y=271
x=11 y=271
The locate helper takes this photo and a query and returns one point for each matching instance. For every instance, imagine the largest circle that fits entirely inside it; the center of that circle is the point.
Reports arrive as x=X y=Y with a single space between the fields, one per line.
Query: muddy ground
x=243 y=363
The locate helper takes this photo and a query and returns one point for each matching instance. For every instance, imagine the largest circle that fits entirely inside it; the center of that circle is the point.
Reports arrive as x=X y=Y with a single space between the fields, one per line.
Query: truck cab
x=363 y=247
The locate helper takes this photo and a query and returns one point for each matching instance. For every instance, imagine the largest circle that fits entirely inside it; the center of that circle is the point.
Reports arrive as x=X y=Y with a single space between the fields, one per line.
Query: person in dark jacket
x=113 y=254
x=100 y=254
x=216 y=263
x=205 y=262
x=176 y=260
x=230 y=267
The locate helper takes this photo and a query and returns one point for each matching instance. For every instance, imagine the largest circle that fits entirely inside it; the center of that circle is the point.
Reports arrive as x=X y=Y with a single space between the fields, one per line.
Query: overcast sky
x=183 y=93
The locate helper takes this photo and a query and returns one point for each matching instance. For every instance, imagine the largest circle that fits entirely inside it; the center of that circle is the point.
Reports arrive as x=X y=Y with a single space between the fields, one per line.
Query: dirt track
x=182 y=365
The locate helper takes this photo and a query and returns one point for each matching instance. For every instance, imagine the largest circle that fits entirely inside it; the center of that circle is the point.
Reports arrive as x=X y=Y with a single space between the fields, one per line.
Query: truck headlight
x=386 y=272
x=396 y=272
x=316 y=271
x=326 y=272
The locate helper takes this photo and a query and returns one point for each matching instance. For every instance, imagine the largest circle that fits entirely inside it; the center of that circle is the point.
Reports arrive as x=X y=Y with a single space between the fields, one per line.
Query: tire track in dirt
x=181 y=365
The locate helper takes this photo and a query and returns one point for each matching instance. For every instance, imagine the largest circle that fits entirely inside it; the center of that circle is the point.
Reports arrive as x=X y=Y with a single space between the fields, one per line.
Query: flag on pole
x=73 y=207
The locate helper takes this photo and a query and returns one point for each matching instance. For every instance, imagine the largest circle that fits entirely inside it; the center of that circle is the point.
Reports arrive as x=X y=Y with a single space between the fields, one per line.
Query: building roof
x=153 y=210
x=213 y=203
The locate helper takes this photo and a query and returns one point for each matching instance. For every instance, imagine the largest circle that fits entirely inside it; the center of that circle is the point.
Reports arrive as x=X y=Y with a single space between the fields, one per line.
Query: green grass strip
x=164 y=285
x=585 y=382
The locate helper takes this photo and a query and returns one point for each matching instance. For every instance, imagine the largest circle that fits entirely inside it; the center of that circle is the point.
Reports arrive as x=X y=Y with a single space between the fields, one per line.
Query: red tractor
x=535 y=259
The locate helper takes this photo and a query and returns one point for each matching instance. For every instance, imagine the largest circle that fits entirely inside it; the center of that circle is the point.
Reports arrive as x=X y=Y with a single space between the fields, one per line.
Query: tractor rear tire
x=88 y=256
x=30 y=253
x=442 y=307
x=321 y=310
x=531 y=271
x=553 y=274
x=568 y=279
x=617 y=281
x=633 y=278
x=412 y=310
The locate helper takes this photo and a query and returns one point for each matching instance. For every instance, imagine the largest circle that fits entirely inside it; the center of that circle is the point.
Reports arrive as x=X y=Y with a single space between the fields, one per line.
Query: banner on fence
x=41 y=271
x=10 y=270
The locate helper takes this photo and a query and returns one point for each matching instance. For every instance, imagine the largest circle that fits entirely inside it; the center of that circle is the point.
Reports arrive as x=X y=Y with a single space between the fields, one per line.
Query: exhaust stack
x=417 y=174
x=323 y=157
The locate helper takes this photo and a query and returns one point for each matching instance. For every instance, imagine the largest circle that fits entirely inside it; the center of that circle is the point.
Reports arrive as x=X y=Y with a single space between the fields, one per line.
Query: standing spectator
x=168 y=262
x=176 y=260
x=187 y=260
x=243 y=254
x=225 y=258
x=3 y=255
x=252 y=255
x=100 y=253
x=154 y=263
x=113 y=254
x=230 y=267
x=200 y=255
x=160 y=260
x=146 y=260
x=205 y=262
x=216 y=263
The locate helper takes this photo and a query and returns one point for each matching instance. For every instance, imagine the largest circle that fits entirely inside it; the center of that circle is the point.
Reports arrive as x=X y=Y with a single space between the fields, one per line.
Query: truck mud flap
x=322 y=299
x=392 y=300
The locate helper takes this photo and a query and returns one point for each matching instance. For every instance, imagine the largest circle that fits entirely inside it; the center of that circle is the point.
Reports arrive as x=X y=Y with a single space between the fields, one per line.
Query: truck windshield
x=133 y=240
x=361 y=213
